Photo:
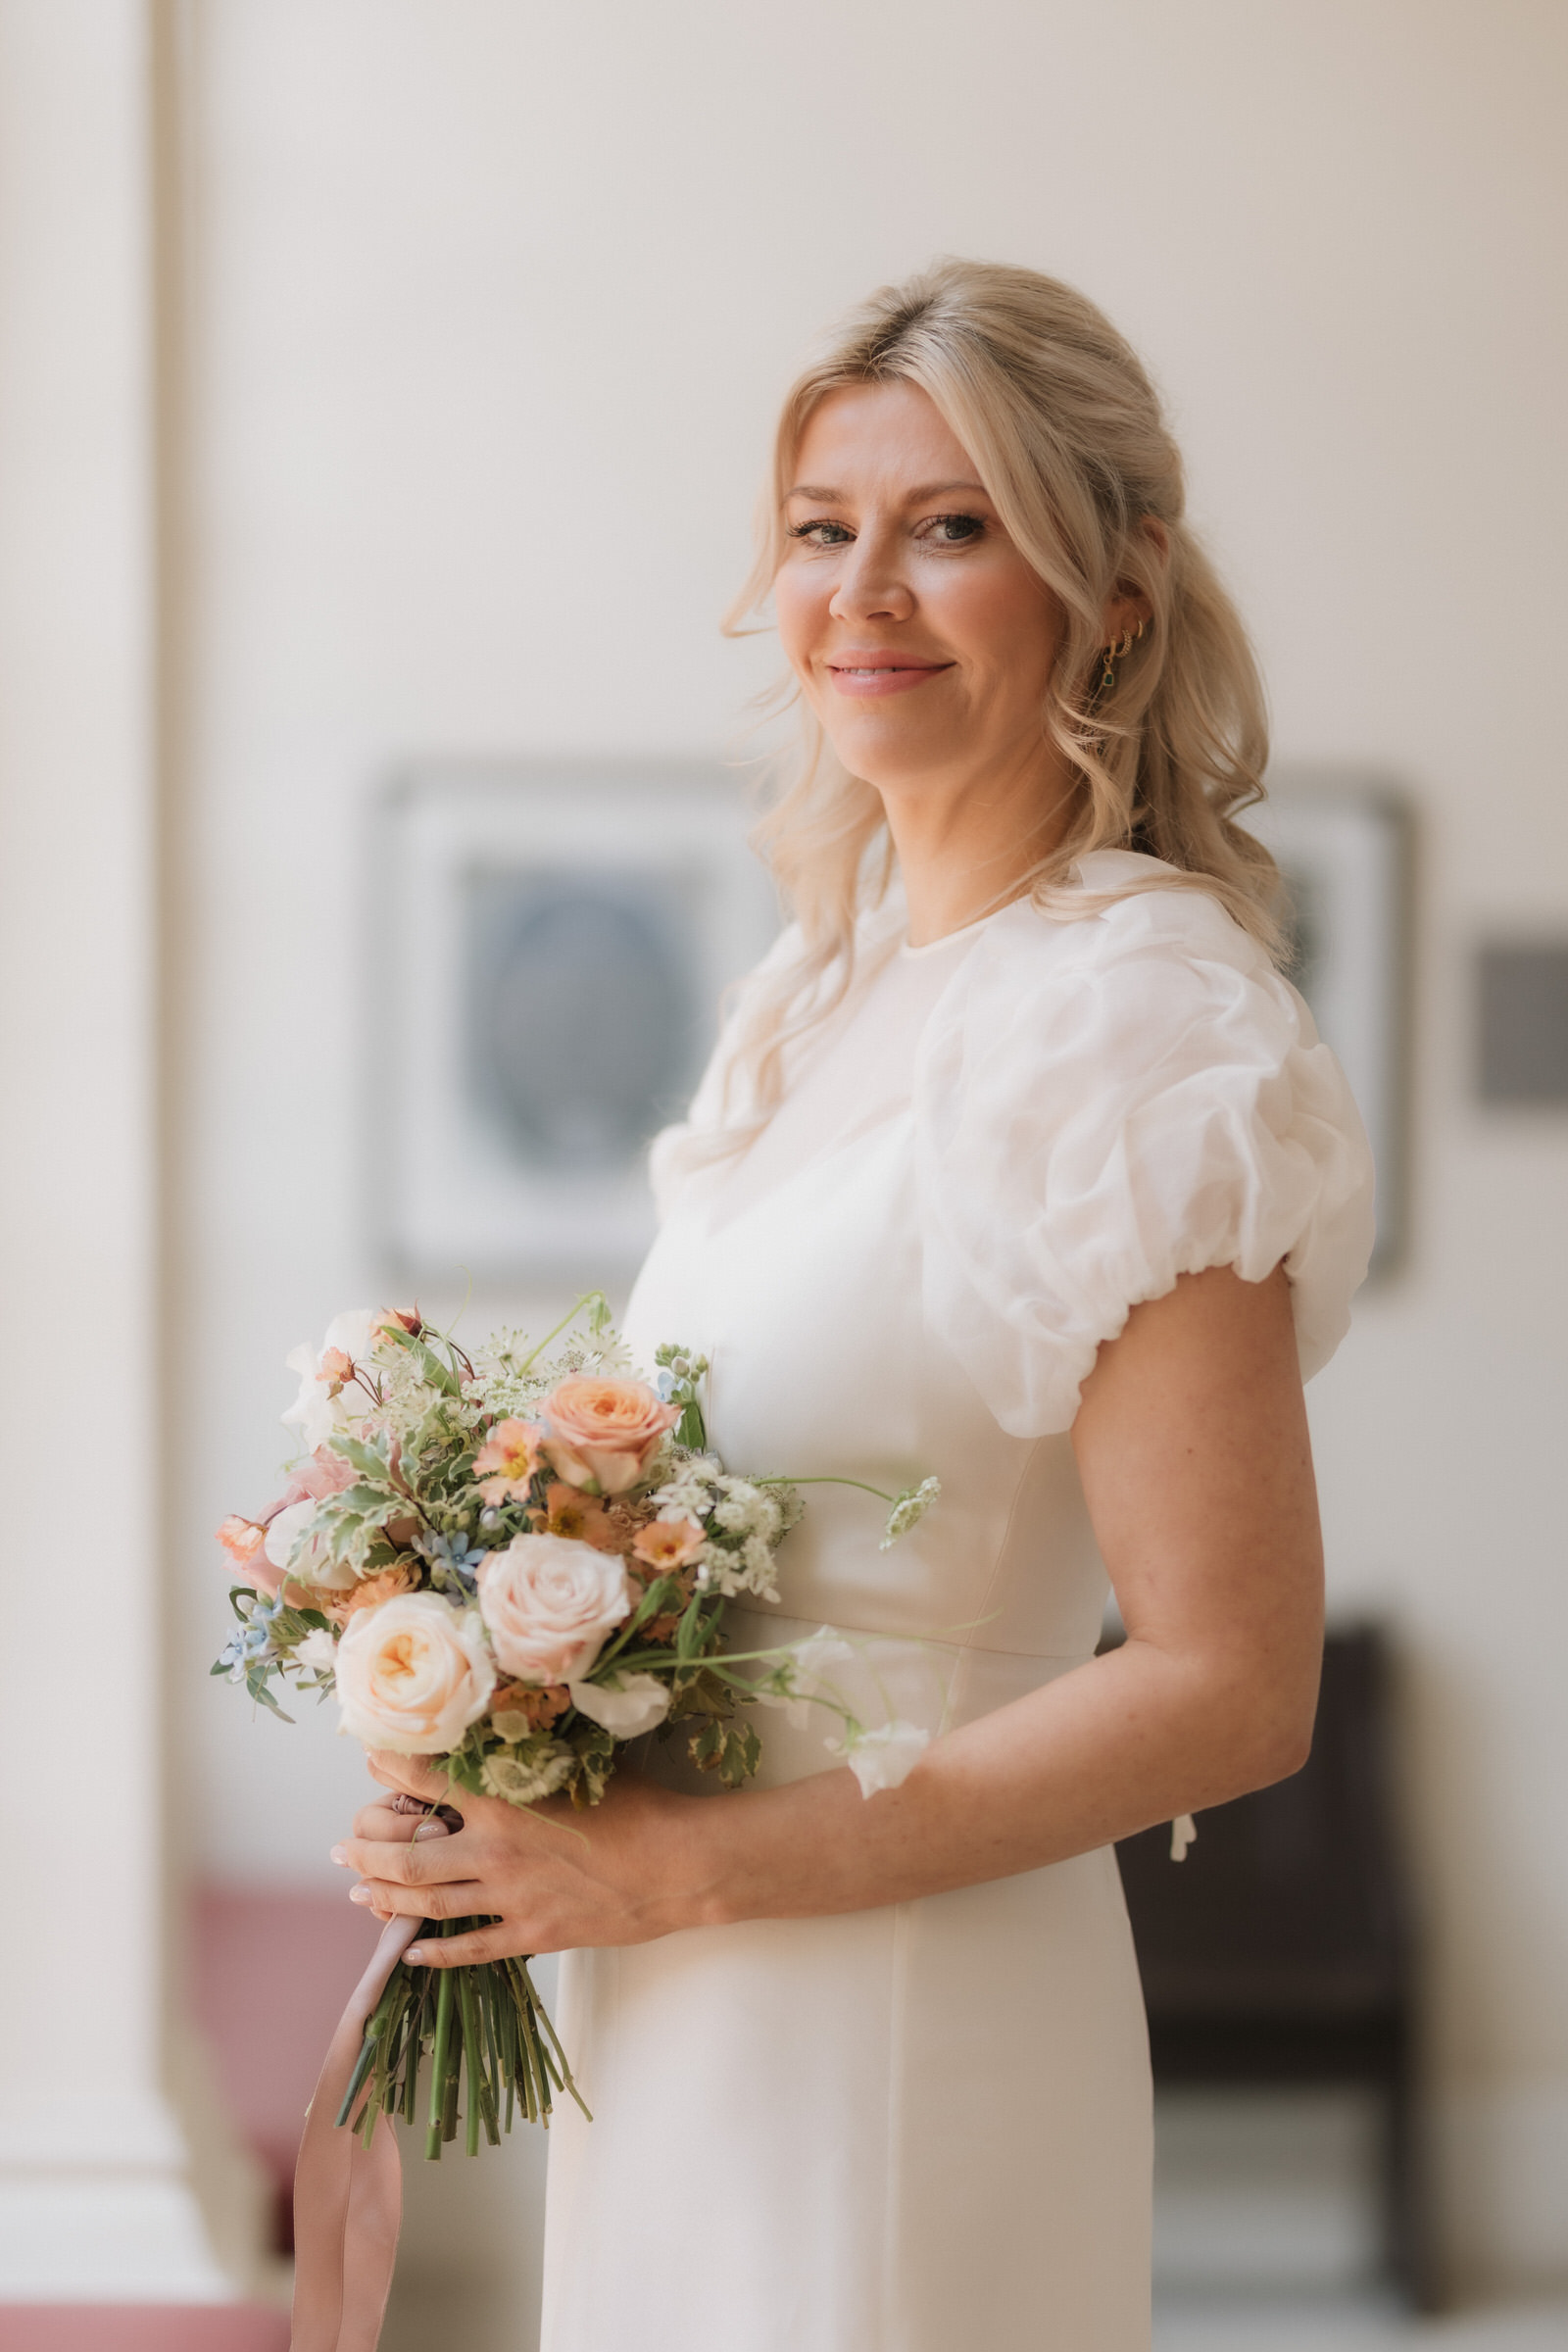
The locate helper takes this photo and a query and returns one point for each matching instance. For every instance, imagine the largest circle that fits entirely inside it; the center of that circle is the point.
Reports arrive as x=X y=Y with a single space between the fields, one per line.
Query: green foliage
x=595 y=1751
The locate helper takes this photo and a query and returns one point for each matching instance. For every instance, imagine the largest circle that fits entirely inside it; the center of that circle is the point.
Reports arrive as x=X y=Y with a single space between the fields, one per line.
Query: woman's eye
x=820 y=533
x=953 y=530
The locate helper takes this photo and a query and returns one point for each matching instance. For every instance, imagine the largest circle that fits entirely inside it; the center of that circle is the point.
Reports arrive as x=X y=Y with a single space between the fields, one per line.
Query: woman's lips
x=884 y=675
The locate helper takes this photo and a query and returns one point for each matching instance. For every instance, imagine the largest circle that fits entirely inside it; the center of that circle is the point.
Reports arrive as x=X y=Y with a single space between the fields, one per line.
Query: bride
x=1025 y=1169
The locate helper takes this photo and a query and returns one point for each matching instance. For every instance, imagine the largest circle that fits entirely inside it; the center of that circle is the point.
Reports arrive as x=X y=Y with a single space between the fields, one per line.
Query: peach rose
x=603 y=1432
x=413 y=1674
x=507 y=1460
x=548 y=1601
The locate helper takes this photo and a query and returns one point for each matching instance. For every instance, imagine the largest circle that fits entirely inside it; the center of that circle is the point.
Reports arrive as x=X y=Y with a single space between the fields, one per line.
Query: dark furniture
x=1280 y=1951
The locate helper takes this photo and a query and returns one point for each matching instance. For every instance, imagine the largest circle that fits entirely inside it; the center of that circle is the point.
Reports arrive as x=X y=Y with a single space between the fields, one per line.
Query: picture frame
x=555 y=942
x=1342 y=842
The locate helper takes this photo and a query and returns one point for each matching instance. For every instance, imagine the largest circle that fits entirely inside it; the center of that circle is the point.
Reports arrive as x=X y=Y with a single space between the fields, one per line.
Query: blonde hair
x=1065 y=430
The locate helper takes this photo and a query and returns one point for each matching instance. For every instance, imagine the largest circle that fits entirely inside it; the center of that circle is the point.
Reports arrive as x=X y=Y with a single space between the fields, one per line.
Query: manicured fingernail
x=358 y=1895
x=339 y=1856
x=414 y=1955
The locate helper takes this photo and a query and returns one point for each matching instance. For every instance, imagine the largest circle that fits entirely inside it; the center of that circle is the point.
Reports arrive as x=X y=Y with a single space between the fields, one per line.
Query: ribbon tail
x=347 y=2198
x=370 y=2237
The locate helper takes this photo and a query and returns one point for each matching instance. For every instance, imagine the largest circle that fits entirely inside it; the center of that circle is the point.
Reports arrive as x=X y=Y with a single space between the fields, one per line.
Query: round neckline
x=950 y=938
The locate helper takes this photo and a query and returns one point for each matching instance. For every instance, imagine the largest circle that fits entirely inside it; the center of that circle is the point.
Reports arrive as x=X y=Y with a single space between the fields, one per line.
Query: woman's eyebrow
x=914 y=498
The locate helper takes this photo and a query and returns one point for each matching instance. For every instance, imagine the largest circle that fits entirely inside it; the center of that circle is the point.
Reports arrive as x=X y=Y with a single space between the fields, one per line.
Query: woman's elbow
x=1271 y=1742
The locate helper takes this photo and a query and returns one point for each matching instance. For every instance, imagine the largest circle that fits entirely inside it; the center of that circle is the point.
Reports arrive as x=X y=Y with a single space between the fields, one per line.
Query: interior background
x=479 y=309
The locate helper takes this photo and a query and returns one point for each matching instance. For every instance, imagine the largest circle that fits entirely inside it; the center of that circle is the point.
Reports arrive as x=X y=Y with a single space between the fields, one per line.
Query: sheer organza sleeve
x=1105 y=1103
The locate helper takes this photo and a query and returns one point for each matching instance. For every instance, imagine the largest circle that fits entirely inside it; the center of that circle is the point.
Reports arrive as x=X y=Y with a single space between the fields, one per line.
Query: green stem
x=543 y=2014
x=438 y=2062
x=472 y=2057
x=826 y=1482
x=571 y=1317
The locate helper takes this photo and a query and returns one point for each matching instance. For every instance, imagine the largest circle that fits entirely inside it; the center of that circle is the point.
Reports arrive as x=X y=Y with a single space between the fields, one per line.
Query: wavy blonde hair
x=1066 y=431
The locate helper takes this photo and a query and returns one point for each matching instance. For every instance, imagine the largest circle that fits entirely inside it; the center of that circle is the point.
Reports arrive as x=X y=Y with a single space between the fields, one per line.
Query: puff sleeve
x=1105 y=1103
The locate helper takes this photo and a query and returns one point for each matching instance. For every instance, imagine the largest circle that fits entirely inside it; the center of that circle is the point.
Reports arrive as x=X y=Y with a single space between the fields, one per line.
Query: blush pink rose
x=548 y=1601
x=603 y=1433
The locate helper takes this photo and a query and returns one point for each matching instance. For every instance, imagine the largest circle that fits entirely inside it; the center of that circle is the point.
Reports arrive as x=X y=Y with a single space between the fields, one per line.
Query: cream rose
x=412 y=1675
x=603 y=1432
x=548 y=1601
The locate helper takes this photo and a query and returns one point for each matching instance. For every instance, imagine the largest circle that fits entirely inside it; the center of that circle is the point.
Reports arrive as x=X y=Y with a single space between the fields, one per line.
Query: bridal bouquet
x=510 y=1566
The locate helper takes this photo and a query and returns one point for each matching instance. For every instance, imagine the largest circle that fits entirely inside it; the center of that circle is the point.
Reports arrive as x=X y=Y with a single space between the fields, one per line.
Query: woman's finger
x=499 y=1942
x=411 y=1773
x=427 y=1859
x=384 y=1896
x=382 y=1826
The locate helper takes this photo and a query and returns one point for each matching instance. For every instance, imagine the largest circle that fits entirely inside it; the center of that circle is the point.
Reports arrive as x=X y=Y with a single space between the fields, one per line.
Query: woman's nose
x=871 y=585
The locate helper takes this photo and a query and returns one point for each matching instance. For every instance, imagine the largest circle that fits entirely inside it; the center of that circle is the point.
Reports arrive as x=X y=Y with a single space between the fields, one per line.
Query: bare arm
x=1193 y=1448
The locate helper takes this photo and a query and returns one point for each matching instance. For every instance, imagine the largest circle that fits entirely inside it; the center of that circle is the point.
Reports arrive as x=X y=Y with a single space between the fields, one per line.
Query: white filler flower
x=324 y=1404
x=883 y=1759
x=641 y=1702
x=317 y=1651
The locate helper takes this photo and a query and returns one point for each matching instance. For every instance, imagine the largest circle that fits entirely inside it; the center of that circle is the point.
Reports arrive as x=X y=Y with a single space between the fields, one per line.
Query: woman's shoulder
x=1119 y=1088
x=1123 y=967
x=1120 y=906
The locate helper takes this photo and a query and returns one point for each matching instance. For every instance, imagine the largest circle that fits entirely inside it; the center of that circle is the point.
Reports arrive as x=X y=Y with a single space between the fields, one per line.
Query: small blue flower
x=454 y=1562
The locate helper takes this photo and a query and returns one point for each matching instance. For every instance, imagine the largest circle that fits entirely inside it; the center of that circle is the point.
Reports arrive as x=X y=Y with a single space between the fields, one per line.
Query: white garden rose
x=413 y=1674
x=641 y=1702
x=883 y=1759
x=317 y=1651
x=548 y=1601
x=296 y=1551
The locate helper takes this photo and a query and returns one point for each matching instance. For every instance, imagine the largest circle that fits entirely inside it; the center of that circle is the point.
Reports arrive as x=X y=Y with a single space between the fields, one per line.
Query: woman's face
x=921 y=638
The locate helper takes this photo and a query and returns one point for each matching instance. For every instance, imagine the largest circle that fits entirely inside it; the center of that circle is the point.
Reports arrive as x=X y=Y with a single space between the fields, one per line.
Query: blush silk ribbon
x=348 y=2198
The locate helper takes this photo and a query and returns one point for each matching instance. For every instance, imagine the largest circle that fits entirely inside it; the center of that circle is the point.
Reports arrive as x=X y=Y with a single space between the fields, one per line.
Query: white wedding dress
x=927 y=2127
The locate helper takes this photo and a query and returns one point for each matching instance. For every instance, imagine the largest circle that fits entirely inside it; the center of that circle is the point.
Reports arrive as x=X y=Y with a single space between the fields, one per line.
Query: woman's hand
x=625 y=1871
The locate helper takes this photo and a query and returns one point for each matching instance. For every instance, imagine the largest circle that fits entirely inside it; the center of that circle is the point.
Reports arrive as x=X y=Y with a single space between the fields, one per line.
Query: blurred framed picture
x=1344 y=851
x=555 y=942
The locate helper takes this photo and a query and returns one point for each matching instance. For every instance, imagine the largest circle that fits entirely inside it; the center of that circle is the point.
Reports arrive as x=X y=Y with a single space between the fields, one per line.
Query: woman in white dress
x=1027 y=1171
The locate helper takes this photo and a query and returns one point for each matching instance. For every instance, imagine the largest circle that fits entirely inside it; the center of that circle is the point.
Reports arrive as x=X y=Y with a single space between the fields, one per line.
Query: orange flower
x=241 y=1538
x=539 y=1707
x=668 y=1543
x=568 y=1513
x=369 y=1594
x=507 y=1460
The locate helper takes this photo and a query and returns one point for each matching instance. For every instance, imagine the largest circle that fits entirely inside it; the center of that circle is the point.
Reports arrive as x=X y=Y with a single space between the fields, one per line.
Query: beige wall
x=488 y=305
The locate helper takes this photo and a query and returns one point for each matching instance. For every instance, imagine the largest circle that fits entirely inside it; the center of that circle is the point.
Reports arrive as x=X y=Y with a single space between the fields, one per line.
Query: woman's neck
x=962 y=853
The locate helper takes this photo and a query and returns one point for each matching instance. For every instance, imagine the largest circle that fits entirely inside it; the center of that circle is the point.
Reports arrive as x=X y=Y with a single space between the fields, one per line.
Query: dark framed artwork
x=554 y=944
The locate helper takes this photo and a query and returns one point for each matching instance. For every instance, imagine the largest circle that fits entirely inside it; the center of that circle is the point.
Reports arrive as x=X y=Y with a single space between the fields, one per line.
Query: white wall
x=490 y=303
